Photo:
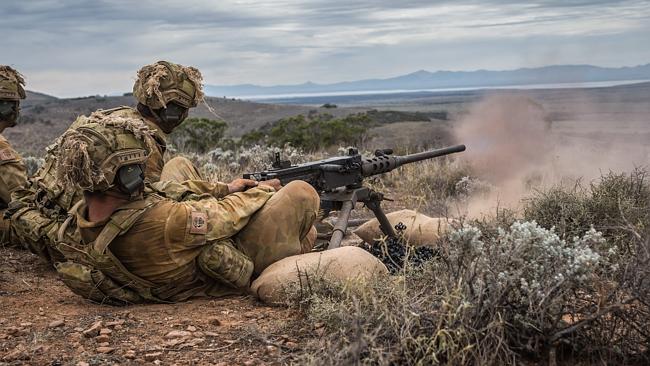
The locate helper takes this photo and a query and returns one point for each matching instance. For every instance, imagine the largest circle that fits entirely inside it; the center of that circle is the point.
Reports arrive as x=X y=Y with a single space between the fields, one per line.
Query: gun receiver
x=339 y=181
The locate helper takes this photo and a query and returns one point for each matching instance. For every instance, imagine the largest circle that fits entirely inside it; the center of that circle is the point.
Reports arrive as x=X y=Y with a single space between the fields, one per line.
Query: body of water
x=593 y=84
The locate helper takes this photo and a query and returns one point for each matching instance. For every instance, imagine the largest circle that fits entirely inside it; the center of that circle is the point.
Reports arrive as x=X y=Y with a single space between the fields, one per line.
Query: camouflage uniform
x=38 y=212
x=13 y=175
x=159 y=249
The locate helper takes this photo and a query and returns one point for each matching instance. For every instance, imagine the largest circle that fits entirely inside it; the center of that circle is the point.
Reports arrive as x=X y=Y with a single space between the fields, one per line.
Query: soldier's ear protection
x=130 y=179
x=9 y=111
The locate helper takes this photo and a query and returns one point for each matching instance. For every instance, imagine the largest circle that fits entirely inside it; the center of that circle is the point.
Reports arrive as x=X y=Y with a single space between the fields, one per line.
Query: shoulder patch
x=199 y=223
x=7 y=154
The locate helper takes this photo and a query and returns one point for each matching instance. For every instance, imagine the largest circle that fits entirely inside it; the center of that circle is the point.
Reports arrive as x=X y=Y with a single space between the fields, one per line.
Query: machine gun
x=339 y=182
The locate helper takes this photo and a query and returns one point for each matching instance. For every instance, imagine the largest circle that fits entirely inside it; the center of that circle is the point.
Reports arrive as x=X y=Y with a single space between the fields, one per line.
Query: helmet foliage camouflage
x=90 y=156
x=11 y=84
x=165 y=82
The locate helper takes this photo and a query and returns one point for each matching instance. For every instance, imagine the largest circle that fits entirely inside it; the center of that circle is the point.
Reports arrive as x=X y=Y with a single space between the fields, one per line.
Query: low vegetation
x=507 y=290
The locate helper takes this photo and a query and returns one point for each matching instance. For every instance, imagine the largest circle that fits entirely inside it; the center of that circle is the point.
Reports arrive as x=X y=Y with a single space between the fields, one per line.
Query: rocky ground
x=43 y=323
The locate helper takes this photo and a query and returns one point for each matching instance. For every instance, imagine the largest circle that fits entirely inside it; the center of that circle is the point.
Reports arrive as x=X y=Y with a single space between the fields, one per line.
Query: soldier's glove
x=223 y=262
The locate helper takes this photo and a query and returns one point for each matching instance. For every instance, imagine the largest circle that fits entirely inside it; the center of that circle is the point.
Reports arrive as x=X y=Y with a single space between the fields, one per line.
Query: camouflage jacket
x=158 y=249
x=13 y=174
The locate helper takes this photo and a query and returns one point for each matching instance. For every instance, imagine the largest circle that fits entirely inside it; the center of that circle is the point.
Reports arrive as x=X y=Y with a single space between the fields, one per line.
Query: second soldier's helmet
x=11 y=92
x=164 y=82
x=107 y=152
x=11 y=84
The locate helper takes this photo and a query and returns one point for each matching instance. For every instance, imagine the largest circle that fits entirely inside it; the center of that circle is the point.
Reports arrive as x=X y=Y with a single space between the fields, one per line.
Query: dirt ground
x=43 y=323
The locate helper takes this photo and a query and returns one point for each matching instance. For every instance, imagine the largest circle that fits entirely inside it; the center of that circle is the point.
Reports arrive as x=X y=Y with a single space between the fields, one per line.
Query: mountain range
x=423 y=80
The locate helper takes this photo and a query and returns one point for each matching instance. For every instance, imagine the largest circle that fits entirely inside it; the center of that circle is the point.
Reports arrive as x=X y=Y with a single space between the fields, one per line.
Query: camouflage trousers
x=179 y=169
x=282 y=228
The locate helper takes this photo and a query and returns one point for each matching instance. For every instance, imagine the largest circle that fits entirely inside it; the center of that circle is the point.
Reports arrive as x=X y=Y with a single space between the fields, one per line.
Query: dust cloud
x=514 y=146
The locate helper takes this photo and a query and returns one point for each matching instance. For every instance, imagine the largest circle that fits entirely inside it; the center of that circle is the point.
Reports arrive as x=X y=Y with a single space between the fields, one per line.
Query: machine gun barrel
x=401 y=160
x=385 y=163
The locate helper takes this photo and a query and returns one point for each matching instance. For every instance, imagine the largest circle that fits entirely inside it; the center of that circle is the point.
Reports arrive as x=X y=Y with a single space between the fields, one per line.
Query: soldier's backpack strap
x=106 y=262
x=95 y=273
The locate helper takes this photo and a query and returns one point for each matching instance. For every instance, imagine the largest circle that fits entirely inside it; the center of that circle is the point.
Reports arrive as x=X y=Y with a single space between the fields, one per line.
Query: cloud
x=74 y=47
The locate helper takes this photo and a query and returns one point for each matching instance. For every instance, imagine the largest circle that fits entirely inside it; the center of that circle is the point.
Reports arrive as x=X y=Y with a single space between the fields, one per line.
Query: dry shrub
x=506 y=292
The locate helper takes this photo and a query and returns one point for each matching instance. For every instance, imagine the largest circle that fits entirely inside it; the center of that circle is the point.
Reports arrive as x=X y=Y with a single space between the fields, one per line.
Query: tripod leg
x=384 y=224
x=341 y=225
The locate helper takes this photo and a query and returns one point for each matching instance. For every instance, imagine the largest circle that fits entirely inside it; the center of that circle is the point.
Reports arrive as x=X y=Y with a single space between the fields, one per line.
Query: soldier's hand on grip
x=274 y=183
x=240 y=185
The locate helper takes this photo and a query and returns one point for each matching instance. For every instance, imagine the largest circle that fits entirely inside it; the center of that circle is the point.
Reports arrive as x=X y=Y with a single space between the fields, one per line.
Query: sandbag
x=420 y=229
x=344 y=265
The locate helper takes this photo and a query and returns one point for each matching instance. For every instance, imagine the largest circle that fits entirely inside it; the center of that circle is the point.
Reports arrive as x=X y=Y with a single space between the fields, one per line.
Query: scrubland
x=547 y=262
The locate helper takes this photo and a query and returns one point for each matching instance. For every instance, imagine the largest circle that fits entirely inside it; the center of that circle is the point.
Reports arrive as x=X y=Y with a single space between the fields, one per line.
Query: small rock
x=213 y=320
x=105 y=349
x=74 y=337
x=56 y=323
x=271 y=350
x=291 y=345
x=130 y=354
x=152 y=356
x=115 y=323
x=93 y=331
x=174 y=342
x=78 y=329
x=105 y=331
x=16 y=355
x=195 y=342
x=103 y=338
x=82 y=363
x=211 y=334
x=103 y=344
x=178 y=334
x=26 y=325
x=13 y=331
x=250 y=363
x=191 y=328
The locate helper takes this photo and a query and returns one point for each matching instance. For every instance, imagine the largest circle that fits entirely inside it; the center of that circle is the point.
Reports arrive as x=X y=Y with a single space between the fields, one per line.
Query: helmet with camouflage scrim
x=11 y=84
x=107 y=152
x=11 y=92
x=164 y=82
x=168 y=91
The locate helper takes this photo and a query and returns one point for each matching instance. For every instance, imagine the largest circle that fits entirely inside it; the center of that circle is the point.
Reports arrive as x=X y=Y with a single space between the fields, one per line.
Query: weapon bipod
x=344 y=201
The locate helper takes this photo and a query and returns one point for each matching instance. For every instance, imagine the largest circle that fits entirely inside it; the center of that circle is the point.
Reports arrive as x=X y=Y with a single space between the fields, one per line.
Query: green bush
x=314 y=132
x=199 y=134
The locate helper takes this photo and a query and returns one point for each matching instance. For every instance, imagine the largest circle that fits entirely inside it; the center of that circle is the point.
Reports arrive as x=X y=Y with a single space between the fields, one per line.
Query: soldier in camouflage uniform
x=165 y=92
x=13 y=174
x=138 y=246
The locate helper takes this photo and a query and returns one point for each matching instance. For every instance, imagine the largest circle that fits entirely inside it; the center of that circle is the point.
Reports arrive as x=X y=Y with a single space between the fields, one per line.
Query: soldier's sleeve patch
x=199 y=223
x=7 y=154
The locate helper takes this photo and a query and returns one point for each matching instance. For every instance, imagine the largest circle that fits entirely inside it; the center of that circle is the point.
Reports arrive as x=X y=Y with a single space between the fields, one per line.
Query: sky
x=72 y=48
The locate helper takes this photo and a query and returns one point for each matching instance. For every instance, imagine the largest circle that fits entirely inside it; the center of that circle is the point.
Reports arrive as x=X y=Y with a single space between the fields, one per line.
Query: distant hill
x=44 y=118
x=449 y=79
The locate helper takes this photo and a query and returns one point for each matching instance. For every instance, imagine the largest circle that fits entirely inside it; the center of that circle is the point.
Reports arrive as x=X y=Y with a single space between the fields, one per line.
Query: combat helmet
x=11 y=92
x=107 y=152
x=164 y=82
x=11 y=84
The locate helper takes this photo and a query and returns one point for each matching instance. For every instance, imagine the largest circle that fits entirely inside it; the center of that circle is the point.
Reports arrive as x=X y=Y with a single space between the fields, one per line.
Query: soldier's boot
x=283 y=227
x=179 y=169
